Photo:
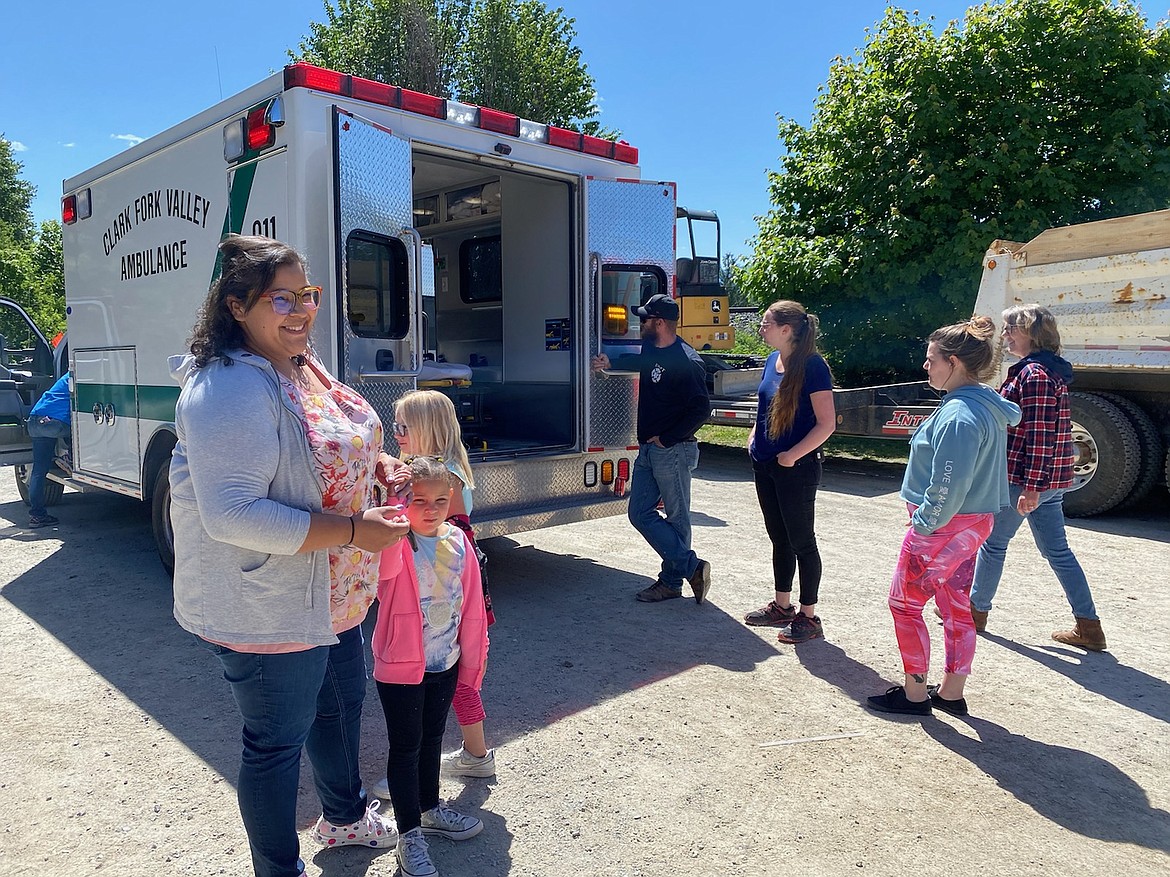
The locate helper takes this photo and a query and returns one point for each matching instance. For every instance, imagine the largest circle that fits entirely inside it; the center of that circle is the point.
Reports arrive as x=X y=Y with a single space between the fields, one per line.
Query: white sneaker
x=413 y=858
x=461 y=764
x=444 y=821
x=372 y=830
x=381 y=789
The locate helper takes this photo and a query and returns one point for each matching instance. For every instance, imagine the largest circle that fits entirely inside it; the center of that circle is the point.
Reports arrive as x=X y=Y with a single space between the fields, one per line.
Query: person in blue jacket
x=955 y=483
x=47 y=421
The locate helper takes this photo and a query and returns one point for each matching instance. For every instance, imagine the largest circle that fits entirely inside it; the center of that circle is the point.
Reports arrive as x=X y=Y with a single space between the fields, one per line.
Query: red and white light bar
x=301 y=75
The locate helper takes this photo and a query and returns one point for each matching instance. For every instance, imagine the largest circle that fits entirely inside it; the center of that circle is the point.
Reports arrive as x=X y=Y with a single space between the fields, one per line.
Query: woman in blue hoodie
x=955 y=483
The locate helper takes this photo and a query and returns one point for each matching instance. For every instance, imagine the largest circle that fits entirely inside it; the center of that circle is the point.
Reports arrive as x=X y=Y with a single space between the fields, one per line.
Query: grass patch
x=845 y=447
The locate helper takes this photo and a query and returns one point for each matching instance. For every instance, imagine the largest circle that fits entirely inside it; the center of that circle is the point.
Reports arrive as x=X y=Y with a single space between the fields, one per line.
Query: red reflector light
x=598 y=146
x=624 y=469
x=625 y=152
x=501 y=123
x=309 y=76
x=424 y=104
x=374 y=92
x=261 y=135
x=69 y=210
x=564 y=138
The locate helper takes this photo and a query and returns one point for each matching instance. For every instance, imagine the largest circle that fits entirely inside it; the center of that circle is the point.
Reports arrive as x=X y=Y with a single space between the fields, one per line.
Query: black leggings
x=416 y=716
x=788 y=498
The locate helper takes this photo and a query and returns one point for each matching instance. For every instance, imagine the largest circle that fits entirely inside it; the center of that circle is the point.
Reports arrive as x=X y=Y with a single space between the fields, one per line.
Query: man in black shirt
x=672 y=404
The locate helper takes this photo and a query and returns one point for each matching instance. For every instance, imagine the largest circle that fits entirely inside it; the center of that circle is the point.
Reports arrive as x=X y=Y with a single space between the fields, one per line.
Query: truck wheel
x=1106 y=456
x=53 y=490
x=1150 y=439
x=160 y=519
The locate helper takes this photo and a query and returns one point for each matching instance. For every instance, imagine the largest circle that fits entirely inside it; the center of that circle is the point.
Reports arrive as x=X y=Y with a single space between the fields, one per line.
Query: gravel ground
x=633 y=739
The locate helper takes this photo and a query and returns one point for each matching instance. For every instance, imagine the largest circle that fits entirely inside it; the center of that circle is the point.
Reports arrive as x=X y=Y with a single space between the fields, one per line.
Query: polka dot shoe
x=372 y=830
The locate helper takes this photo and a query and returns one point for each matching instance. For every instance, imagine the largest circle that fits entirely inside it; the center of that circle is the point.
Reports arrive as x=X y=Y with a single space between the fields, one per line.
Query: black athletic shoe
x=954 y=707
x=894 y=701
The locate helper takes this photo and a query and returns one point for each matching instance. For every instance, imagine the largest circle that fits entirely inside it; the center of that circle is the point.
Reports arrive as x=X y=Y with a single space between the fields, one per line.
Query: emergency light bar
x=301 y=75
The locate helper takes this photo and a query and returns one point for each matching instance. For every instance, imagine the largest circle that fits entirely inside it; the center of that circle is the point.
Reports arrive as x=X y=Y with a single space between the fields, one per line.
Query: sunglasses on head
x=284 y=301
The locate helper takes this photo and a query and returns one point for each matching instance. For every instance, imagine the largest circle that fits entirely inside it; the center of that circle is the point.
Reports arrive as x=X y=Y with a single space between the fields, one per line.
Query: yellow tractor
x=705 y=318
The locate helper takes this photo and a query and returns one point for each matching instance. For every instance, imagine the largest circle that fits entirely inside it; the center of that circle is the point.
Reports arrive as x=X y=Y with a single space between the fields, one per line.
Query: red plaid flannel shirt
x=1040 y=453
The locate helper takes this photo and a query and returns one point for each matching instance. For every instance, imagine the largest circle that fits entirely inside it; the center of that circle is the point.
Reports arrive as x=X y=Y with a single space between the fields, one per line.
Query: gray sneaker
x=657 y=592
x=413 y=858
x=452 y=825
x=462 y=764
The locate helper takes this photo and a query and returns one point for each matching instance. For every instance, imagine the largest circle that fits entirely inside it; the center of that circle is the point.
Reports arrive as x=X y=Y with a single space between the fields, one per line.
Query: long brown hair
x=973 y=343
x=804 y=325
x=248 y=266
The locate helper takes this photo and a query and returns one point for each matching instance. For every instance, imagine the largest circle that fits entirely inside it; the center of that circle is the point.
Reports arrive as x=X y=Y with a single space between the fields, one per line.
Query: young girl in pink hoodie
x=431 y=633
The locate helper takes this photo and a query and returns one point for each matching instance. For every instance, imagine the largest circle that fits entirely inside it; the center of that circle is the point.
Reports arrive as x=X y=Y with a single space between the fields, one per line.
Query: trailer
x=461 y=248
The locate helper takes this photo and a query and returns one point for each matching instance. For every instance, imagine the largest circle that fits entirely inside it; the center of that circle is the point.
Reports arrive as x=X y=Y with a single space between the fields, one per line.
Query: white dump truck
x=1107 y=284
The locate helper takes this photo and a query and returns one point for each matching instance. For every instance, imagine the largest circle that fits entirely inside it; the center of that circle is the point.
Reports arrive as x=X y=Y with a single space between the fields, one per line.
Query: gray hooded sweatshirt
x=243 y=484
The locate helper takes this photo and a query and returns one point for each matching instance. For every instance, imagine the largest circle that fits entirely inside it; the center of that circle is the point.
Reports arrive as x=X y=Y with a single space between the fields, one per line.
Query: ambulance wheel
x=53 y=489
x=1106 y=456
x=160 y=519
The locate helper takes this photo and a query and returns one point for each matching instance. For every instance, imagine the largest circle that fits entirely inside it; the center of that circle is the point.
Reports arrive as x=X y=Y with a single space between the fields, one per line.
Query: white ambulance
x=460 y=247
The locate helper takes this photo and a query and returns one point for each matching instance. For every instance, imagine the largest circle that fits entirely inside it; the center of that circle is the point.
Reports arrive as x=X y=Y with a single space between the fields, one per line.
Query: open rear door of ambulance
x=378 y=262
x=630 y=240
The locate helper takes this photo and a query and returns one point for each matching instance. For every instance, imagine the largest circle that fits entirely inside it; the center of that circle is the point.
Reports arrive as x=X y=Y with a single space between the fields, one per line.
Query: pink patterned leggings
x=940 y=565
x=469 y=706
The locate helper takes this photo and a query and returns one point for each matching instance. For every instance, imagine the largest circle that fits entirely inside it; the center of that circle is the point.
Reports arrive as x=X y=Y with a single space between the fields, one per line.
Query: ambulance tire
x=160 y=519
x=1106 y=456
x=1150 y=439
x=53 y=489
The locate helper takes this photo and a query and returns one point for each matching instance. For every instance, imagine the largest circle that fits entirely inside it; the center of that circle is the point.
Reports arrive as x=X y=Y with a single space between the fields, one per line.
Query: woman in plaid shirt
x=1040 y=462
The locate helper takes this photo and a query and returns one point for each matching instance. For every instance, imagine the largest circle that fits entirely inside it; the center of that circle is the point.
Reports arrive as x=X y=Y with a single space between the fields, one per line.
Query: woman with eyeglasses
x=794 y=418
x=276 y=545
x=1040 y=469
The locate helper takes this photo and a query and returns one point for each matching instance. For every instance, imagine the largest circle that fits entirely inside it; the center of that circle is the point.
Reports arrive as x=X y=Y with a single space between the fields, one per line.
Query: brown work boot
x=980 y=618
x=1086 y=633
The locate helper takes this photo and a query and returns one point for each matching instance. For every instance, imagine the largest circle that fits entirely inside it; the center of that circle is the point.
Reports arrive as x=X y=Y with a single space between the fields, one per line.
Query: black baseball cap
x=661 y=305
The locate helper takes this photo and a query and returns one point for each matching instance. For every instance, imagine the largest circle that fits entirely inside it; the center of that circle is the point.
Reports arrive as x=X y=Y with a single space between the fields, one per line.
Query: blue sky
x=696 y=86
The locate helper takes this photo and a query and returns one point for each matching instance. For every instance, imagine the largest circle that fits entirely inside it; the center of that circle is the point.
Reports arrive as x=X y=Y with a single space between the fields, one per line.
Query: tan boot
x=980 y=619
x=1086 y=633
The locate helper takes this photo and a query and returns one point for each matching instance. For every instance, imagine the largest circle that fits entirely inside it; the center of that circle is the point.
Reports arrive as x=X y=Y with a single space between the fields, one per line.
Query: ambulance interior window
x=624 y=286
x=481 y=273
x=378 y=300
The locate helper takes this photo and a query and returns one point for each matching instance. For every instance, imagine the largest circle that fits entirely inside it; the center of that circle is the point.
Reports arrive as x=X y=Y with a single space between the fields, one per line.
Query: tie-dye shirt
x=438 y=562
x=345 y=436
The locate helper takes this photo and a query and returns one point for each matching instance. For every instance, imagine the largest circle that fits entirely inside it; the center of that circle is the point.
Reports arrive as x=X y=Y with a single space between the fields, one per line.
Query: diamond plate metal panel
x=629 y=223
x=374 y=194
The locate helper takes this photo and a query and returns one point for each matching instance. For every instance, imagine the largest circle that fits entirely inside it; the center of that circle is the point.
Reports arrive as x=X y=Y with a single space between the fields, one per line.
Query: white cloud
x=68 y=145
x=17 y=146
x=132 y=139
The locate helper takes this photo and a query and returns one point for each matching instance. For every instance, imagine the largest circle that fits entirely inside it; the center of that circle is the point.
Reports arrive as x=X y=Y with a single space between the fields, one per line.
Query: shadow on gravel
x=1101 y=673
x=1076 y=790
x=831 y=664
x=571 y=625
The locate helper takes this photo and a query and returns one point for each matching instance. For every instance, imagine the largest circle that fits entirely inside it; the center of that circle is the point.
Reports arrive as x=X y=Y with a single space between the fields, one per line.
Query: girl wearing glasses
x=794 y=418
x=276 y=545
x=425 y=424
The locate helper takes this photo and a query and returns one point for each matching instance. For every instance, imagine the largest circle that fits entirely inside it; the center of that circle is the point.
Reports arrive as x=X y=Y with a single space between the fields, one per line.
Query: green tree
x=31 y=265
x=512 y=55
x=1028 y=114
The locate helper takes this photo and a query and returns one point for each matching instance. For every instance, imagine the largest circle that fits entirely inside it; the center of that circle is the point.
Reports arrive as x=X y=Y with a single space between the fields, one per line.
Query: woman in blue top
x=795 y=416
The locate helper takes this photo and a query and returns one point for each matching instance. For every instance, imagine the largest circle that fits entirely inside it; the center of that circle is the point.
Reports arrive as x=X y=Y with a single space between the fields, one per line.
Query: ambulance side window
x=378 y=301
x=622 y=287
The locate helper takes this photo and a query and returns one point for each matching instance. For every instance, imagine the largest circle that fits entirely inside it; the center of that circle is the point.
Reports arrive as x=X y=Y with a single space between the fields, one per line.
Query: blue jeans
x=44 y=449
x=665 y=474
x=311 y=699
x=1047 y=524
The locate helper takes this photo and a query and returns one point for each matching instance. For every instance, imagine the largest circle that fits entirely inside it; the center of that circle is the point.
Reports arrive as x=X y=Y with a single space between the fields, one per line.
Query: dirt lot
x=633 y=739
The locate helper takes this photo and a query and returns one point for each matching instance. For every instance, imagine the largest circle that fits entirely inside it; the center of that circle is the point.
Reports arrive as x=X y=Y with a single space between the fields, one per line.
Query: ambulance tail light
x=616 y=320
x=590 y=475
x=69 y=210
x=607 y=471
x=623 y=469
x=84 y=204
x=424 y=104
